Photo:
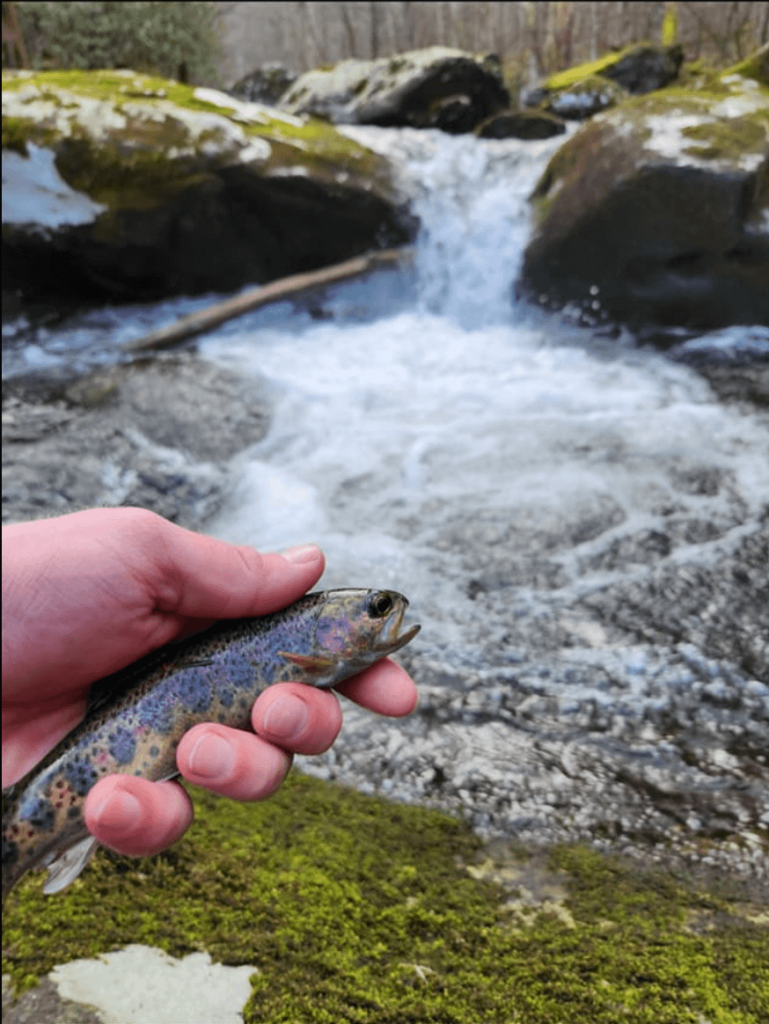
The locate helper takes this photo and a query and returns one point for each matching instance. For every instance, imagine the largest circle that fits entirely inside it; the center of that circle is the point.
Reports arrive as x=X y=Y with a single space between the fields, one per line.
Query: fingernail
x=120 y=810
x=302 y=553
x=212 y=757
x=286 y=717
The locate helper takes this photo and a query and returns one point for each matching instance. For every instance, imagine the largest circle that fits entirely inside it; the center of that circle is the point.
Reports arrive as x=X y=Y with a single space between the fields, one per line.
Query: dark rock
x=433 y=88
x=654 y=214
x=646 y=68
x=585 y=90
x=264 y=85
x=521 y=124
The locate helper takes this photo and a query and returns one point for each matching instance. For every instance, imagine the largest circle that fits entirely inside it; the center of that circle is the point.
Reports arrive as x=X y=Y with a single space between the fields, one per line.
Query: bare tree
x=545 y=35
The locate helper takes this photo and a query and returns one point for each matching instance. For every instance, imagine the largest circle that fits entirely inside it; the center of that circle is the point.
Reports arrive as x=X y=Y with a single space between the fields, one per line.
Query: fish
x=135 y=718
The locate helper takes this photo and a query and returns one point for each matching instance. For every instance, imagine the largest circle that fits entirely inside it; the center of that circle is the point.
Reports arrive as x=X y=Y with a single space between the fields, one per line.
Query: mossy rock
x=756 y=67
x=653 y=214
x=164 y=176
x=438 y=87
x=581 y=91
x=356 y=909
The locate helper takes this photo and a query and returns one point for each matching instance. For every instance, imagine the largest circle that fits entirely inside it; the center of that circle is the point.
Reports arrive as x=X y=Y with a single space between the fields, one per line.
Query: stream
x=579 y=523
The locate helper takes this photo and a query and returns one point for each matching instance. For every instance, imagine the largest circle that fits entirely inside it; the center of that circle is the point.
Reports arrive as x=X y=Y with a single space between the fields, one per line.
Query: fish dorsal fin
x=309 y=662
x=69 y=864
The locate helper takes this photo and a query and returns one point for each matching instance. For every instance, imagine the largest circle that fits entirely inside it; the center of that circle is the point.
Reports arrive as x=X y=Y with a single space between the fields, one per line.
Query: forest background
x=219 y=43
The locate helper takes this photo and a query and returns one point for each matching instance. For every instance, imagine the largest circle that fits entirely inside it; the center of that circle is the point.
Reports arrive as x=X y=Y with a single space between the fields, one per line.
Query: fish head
x=352 y=630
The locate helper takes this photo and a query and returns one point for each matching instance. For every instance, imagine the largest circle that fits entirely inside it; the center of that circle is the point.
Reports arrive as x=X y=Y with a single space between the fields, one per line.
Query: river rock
x=264 y=85
x=656 y=213
x=123 y=186
x=521 y=124
x=434 y=88
x=584 y=90
x=584 y=99
x=154 y=434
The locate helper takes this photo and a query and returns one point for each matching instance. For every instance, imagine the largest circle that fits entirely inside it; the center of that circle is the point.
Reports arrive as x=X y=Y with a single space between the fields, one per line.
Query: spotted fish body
x=135 y=718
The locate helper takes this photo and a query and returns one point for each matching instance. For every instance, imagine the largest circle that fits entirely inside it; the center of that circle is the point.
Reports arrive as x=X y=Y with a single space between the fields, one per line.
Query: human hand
x=87 y=593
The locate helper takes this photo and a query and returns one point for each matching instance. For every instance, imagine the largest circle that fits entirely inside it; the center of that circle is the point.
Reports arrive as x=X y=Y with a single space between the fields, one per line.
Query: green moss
x=563 y=79
x=739 y=136
x=358 y=910
x=15 y=135
x=756 y=67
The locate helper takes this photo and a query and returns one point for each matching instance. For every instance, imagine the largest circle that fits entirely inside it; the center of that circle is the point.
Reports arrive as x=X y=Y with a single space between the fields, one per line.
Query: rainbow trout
x=135 y=718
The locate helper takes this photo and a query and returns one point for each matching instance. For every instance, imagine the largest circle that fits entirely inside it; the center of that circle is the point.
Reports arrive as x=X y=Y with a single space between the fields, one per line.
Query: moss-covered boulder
x=657 y=212
x=123 y=186
x=585 y=89
x=434 y=88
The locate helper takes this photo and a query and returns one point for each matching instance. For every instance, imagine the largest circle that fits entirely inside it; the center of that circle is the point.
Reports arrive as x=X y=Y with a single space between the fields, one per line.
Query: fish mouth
x=391 y=638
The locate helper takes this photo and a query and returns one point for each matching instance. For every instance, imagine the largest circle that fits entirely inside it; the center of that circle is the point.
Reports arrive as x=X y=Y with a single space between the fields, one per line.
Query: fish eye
x=380 y=605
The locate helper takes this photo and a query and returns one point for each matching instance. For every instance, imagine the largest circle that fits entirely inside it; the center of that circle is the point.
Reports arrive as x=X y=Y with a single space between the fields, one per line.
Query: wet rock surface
x=521 y=124
x=636 y=718
x=44 y=1005
x=156 y=434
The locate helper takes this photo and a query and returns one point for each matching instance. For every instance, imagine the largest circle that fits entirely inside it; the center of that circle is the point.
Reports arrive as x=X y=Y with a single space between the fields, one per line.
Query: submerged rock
x=434 y=88
x=521 y=124
x=657 y=212
x=127 y=186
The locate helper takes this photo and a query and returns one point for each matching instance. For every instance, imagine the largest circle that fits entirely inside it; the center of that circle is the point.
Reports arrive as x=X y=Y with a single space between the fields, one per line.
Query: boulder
x=645 y=68
x=264 y=85
x=656 y=214
x=433 y=88
x=586 y=89
x=121 y=186
x=521 y=124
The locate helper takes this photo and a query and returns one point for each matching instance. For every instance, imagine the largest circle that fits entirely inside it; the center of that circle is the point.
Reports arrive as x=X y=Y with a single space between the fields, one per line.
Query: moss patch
x=756 y=67
x=358 y=910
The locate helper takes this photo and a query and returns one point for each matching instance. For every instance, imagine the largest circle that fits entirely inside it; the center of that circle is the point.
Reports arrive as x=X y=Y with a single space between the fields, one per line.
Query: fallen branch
x=212 y=316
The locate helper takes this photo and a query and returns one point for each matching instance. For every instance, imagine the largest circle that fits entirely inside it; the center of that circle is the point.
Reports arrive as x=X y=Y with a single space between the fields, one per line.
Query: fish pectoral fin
x=69 y=864
x=309 y=662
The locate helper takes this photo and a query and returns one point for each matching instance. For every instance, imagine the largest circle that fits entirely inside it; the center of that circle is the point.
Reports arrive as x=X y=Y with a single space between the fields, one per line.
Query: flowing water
x=507 y=471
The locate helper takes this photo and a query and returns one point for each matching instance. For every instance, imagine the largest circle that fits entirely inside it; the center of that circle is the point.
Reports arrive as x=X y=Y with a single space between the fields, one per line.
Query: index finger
x=199 y=577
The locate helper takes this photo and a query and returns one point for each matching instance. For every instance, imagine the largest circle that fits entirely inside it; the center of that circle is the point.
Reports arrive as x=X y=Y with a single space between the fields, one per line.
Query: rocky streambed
x=635 y=716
